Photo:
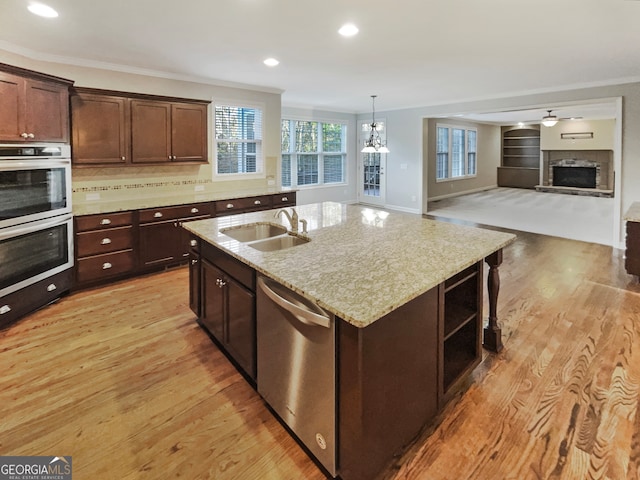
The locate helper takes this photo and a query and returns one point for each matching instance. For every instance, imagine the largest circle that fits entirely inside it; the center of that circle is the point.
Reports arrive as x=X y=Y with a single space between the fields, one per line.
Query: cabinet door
x=188 y=132
x=194 y=282
x=159 y=243
x=150 y=131
x=47 y=111
x=213 y=298
x=11 y=107
x=240 y=337
x=100 y=129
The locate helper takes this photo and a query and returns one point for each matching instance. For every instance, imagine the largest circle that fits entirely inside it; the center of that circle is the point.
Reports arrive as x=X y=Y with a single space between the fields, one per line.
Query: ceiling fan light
x=549 y=120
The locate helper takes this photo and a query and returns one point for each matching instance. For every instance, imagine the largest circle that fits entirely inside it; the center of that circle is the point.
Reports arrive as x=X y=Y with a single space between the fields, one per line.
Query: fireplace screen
x=581 y=177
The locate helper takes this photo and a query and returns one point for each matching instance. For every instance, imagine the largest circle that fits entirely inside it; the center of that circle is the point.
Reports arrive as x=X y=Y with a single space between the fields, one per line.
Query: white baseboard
x=457 y=194
x=391 y=207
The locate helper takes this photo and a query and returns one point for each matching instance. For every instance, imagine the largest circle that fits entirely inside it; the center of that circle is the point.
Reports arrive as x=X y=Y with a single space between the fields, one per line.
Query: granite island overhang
x=407 y=296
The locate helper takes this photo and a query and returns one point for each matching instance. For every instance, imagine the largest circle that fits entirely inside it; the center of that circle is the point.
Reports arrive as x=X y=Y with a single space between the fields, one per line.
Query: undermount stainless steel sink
x=279 y=243
x=254 y=231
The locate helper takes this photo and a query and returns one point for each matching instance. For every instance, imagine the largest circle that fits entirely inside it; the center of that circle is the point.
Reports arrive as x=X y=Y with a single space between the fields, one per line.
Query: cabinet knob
x=5 y=309
x=105 y=241
x=106 y=266
x=105 y=221
x=193 y=243
x=157 y=215
x=31 y=135
x=229 y=205
x=51 y=287
x=123 y=158
x=24 y=135
x=193 y=262
x=284 y=199
x=194 y=210
x=221 y=283
x=257 y=202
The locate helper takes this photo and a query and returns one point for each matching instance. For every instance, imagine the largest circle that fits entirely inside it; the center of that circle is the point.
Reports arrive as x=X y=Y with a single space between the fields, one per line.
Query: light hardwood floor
x=123 y=379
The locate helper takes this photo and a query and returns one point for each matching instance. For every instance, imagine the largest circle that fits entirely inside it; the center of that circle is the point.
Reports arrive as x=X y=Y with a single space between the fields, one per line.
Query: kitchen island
x=406 y=295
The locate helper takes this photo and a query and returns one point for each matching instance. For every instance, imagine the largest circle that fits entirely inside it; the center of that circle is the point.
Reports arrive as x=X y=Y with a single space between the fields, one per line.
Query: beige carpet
x=589 y=219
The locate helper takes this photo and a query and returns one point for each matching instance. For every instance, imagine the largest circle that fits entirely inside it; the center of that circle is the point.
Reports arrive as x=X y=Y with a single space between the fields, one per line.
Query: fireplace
x=574 y=176
x=577 y=172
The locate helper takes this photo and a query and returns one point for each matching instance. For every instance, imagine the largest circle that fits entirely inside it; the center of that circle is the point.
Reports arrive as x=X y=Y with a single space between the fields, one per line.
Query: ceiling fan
x=550 y=120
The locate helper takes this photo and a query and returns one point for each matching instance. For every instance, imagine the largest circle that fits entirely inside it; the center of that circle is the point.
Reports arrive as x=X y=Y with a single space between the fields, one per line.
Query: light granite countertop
x=361 y=263
x=633 y=214
x=91 y=207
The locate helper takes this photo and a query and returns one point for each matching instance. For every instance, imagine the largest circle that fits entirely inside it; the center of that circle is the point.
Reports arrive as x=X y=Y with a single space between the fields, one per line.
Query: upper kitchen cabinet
x=101 y=131
x=34 y=107
x=116 y=128
x=168 y=132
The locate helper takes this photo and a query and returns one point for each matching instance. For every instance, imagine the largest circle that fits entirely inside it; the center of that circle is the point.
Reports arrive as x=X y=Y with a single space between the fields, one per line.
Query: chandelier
x=374 y=142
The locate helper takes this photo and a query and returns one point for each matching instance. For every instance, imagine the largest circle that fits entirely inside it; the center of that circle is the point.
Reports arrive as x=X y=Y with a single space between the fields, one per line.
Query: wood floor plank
x=124 y=372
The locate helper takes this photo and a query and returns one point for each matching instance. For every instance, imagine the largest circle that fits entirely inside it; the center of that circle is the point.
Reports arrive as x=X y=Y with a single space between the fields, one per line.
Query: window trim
x=466 y=176
x=260 y=162
x=320 y=154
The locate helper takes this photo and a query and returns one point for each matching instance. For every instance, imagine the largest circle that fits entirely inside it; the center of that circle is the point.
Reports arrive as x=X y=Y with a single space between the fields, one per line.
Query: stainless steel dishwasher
x=296 y=344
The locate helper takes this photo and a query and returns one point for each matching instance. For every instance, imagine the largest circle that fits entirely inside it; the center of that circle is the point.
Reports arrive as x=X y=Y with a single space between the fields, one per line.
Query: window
x=313 y=153
x=238 y=134
x=456 y=152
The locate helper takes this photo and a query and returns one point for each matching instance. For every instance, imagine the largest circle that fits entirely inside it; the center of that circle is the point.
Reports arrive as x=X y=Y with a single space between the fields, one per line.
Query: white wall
x=347 y=192
x=404 y=160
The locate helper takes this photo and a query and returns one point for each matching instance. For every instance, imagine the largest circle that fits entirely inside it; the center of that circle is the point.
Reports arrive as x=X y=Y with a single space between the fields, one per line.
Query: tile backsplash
x=116 y=184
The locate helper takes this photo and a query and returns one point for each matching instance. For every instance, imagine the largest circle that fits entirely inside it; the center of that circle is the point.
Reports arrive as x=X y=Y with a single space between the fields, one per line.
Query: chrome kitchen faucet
x=293 y=219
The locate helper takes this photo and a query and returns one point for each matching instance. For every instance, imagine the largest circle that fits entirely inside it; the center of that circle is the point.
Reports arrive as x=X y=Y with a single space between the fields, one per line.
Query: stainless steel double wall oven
x=36 y=227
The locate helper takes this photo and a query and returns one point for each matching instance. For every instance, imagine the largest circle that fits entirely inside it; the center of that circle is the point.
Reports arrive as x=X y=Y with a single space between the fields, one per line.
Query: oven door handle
x=33 y=226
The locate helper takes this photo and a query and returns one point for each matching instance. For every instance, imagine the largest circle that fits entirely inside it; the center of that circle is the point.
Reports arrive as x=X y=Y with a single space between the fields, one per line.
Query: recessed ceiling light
x=348 y=30
x=42 y=10
x=271 y=62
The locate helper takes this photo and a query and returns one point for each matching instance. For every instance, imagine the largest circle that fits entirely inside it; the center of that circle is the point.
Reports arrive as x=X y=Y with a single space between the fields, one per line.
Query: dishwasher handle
x=304 y=315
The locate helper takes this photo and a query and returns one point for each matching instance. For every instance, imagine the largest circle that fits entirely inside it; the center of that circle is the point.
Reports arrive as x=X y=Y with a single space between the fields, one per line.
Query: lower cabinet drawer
x=103 y=266
x=104 y=241
x=30 y=298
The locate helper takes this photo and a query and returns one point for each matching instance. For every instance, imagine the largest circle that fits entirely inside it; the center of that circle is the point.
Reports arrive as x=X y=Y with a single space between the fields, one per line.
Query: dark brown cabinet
x=228 y=306
x=242 y=205
x=105 y=247
x=168 y=132
x=195 y=273
x=33 y=109
x=117 y=128
x=632 y=252
x=30 y=298
x=460 y=326
x=280 y=200
x=520 y=166
x=150 y=131
x=189 y=132
x=115 y=245
x=162 y=238
x=100 y=132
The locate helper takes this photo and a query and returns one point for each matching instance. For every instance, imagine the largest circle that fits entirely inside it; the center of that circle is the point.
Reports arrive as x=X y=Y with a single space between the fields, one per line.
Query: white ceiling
x=410 y=52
